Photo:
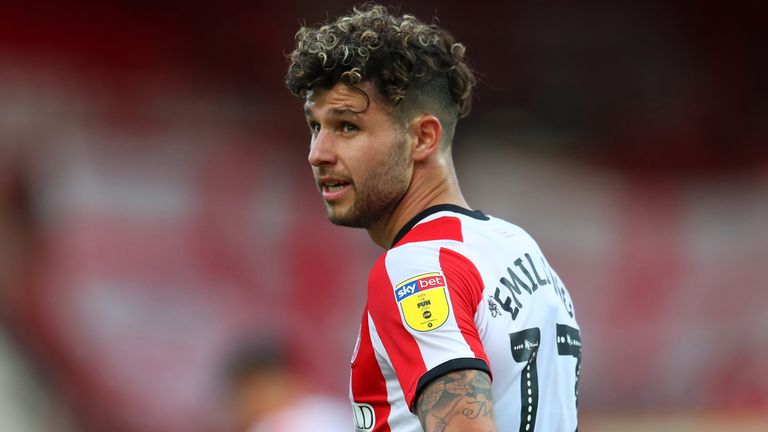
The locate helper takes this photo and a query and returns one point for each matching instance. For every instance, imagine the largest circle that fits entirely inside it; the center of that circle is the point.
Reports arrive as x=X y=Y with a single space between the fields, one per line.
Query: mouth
x=333 y=189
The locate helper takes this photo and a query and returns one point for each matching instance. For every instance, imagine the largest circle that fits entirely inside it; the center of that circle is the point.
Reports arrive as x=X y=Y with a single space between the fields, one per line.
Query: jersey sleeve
x=422 y=300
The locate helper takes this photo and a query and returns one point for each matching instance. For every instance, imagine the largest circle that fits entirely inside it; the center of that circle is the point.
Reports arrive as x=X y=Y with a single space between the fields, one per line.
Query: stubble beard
x=377 y=194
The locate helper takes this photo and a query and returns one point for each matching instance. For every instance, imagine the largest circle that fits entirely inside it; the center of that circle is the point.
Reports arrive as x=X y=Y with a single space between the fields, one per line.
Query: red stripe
x=402 y=349
x=466 y=289
x=368 y=384
x=444 y=228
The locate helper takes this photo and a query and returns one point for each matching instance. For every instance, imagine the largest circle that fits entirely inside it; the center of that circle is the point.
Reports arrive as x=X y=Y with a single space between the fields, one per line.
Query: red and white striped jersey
x=462 y=290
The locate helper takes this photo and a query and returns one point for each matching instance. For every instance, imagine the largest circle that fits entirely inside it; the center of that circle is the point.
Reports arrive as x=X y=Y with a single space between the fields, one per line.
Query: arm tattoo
x=463 y=393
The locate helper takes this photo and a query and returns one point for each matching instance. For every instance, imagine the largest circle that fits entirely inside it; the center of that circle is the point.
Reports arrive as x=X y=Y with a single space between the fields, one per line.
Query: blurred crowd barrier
x=155 y=218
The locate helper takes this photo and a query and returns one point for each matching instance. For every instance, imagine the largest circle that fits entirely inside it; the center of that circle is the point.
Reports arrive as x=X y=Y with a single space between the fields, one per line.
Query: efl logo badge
x=423 y=301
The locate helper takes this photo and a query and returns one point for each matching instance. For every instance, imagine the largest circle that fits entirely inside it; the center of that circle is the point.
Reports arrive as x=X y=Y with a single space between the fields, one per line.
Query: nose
x=321 y=150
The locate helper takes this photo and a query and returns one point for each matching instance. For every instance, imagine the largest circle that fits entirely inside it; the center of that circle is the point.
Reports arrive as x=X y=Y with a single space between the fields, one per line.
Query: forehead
x=343 y=98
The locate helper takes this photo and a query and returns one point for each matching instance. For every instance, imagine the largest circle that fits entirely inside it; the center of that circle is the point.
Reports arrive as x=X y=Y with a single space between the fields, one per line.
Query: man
x=265 y=393
x=467 y=327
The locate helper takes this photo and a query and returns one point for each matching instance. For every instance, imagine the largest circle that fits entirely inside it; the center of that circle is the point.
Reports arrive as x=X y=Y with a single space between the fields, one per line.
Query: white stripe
x=400 y=418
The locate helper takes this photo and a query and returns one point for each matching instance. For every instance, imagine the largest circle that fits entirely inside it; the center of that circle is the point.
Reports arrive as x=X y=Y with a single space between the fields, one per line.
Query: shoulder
x=447 y=228
x=419 y=252
x=405 y=264
x=434 y=256
x=507 y=234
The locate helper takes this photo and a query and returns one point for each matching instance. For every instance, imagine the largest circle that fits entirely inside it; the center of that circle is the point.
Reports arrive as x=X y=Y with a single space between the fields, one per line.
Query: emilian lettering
x=509 y=300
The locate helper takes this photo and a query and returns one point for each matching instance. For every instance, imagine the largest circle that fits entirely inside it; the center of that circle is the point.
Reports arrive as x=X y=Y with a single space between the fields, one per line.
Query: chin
x=346 y=221
x=347 y=218
x=359 y=214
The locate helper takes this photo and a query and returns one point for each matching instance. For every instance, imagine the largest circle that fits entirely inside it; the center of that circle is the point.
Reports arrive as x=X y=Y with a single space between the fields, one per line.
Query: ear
x=427 y=133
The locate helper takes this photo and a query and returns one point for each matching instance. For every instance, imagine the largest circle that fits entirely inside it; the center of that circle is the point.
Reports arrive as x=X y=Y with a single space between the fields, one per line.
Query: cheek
x=378 y=155
x=364 y=157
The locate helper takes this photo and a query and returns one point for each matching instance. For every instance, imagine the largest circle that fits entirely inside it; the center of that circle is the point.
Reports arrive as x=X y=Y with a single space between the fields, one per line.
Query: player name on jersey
x=515 y=286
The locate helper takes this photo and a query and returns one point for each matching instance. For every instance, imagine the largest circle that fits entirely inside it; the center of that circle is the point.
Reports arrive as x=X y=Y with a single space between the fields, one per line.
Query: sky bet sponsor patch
x=423 y=301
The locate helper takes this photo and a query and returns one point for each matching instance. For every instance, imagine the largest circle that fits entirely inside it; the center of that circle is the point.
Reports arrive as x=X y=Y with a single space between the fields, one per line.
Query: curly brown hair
x=415 y=66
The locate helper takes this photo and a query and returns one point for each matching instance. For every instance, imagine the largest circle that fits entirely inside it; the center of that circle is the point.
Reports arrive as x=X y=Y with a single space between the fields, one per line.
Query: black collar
x=477 y=214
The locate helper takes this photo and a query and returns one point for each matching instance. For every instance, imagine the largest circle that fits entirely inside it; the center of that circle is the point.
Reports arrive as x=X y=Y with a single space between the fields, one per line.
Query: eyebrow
x=335 y=112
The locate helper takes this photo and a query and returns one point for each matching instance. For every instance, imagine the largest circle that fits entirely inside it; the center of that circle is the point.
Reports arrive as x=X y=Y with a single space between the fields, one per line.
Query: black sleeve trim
x=444 y=368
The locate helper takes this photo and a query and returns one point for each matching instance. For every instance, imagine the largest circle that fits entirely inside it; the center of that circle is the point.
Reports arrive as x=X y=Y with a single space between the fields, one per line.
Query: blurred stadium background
x=157 y=210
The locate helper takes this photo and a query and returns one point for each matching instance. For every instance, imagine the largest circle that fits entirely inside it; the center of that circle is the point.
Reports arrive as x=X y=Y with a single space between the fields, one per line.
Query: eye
x=347 y=127
x=314 y=127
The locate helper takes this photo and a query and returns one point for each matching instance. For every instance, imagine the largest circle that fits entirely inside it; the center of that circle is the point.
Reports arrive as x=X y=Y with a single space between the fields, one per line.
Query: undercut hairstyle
x=416 y=67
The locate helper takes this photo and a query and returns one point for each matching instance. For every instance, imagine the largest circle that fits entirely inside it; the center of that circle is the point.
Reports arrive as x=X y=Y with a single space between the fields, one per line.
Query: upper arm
x=457 y=401
x=422 y=303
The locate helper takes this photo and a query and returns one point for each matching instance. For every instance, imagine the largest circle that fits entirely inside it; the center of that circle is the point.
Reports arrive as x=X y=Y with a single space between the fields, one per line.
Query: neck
x=428 y=187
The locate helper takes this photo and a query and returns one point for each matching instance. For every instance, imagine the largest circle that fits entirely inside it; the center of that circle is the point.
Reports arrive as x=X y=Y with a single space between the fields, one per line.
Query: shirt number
x=525 y=348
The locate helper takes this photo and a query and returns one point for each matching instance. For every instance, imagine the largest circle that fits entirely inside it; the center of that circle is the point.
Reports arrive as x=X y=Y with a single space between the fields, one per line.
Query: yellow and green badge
x=423 y=301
